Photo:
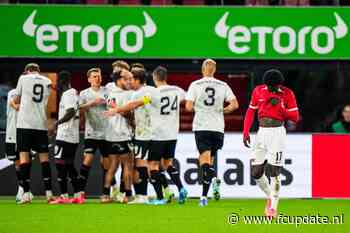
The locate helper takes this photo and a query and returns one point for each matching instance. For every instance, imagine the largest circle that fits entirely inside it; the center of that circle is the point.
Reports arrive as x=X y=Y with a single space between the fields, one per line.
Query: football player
x=275 y=104
x=67 y=138
x=32 y=94
x=206 y=98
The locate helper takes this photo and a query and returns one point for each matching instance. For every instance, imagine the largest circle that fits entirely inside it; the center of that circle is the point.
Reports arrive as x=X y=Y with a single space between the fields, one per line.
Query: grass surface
x=92 y=217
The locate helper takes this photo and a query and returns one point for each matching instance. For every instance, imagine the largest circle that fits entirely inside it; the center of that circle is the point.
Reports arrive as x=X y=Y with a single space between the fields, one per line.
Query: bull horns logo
x=29 y=26
x=340 y=29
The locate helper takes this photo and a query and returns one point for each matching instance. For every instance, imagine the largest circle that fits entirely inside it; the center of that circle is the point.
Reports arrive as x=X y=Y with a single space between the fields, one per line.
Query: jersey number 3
x=38 y=92
x=210 y=101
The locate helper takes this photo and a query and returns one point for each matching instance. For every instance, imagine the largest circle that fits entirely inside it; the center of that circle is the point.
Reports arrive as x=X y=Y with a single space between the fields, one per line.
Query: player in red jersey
x=275 y=105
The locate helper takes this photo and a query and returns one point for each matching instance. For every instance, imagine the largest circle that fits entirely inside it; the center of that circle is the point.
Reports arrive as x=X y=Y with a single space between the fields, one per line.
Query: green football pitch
x=92 y=217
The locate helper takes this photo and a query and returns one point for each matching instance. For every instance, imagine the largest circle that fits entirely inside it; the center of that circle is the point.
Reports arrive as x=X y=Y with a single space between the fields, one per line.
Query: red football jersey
x=261 y=101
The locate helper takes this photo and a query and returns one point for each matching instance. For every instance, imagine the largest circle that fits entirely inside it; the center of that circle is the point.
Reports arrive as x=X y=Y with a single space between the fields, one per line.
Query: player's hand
x=51 y=130
x=246 y=140
x=97 y=101
x=16 y=107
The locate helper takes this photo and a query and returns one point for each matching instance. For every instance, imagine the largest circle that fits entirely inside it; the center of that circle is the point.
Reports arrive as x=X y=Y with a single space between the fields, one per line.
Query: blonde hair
x=208 y=67
x=121 y=64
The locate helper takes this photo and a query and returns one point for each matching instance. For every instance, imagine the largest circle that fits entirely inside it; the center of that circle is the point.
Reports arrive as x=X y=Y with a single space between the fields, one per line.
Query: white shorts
x=269 y=145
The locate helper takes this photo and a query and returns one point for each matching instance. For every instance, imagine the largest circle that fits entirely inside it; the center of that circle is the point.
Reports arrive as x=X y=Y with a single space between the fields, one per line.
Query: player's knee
x=166 y=164
x=274 y=170
x=257 y=171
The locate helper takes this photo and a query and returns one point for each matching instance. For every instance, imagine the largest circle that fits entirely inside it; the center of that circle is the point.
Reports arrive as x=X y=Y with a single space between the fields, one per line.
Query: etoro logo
x=240 y=37
x=47 y=36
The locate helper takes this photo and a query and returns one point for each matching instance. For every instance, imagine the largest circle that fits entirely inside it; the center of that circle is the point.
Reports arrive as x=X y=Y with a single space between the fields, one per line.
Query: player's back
x=209 y=95
x=11 y=118
x=166 y=116
x=34 y=90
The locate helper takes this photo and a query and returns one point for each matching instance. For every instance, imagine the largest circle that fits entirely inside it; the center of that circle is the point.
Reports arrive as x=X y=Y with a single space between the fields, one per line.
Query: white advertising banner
x=233 y=166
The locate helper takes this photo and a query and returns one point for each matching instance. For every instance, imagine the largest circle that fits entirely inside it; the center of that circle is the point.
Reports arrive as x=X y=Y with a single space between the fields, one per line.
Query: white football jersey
x=95 y=121
x=143 y=115
x=11 y=119
x=166 y=117
x=110 y=86
x=209 y=95
x=34 y=90
x=69 y=131
x=118 y=127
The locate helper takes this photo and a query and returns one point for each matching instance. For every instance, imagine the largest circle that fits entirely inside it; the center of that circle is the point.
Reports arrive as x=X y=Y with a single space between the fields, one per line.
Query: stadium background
x=321 y=85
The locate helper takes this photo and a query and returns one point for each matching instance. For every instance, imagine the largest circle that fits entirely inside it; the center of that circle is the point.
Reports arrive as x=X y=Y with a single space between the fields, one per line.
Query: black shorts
x=118 y=148
x=141 y=149
x=209 y=140
x=11 y=152
x=91 y=146
x=65 y=150
x=32 y=139
x=162 y=150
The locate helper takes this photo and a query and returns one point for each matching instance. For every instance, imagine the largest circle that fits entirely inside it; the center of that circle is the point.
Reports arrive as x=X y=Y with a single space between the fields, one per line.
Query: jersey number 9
x=38 y=92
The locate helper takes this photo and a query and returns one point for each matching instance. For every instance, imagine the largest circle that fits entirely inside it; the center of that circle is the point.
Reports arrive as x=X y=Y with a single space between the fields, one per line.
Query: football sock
x=275 y=190
x=25 y=174
x=122 y=184
x=46 y=174
x=163 y=179
x=143 y=174
x=175 y=177
x=104 y=172
x=18 y=175
x=207 y=175
x=62 y=176
x=263 y=184
x=84 y=175
x=128 y=193
x=155 y=181
x=106 y=191
x=73 y=176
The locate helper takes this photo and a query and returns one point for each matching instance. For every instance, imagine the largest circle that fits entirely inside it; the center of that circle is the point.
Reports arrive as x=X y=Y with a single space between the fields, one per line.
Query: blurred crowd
x=191 y=2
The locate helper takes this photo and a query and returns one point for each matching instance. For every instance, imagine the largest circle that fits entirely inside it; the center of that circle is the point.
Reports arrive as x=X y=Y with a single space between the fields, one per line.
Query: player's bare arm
x=15 y=102
x=128 y=107
x=233 y=105
x=189 y=106
x=93 y=103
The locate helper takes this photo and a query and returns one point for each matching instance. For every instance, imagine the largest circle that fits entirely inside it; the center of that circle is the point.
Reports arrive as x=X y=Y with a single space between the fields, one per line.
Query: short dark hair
x=32 y=67
x=95 y=69
x=139 y=74
x=64 y=77
x=160 y=73
x=273 y=78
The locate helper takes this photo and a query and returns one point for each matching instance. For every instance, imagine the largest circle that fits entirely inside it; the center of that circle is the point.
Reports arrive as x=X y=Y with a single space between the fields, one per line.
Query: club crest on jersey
x=49 y=37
